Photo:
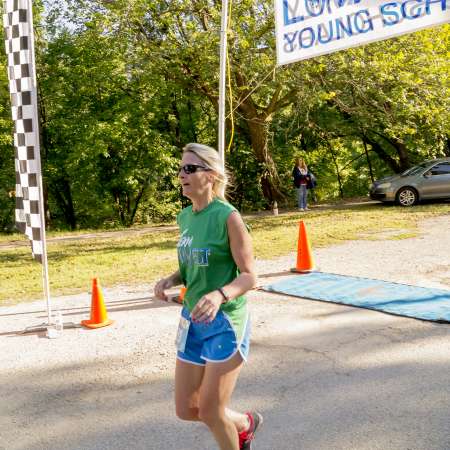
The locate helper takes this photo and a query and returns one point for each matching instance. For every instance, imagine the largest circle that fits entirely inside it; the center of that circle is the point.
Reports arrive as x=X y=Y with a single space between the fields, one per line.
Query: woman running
x=215 y=259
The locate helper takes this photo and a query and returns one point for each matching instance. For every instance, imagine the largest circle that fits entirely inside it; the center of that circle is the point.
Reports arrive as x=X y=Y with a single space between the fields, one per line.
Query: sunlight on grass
x=277 y=235
x=145 y=256
x=72 y=264
x=399 y=237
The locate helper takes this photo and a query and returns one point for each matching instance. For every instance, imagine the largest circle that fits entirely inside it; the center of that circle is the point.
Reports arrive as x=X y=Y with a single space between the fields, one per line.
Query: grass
x=144 y=257
x=276 y=236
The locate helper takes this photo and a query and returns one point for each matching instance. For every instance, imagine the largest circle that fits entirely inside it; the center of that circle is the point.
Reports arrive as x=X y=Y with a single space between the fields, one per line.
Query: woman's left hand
x=207 y=307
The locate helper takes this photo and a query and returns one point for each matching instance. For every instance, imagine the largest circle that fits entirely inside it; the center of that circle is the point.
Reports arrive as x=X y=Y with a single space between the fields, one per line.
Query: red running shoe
x=246 y=437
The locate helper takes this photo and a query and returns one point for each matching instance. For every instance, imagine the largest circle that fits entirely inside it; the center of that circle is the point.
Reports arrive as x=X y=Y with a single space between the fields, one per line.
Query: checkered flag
x=18 y=24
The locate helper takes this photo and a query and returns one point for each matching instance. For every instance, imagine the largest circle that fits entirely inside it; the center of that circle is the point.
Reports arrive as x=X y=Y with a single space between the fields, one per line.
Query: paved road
x=325 y=376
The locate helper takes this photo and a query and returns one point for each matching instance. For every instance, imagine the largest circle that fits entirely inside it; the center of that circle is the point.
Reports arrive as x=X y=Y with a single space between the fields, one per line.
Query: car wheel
x=407 y=196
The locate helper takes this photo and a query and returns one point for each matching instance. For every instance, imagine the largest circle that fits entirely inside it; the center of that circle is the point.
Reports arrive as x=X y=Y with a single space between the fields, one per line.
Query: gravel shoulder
x=325 y=376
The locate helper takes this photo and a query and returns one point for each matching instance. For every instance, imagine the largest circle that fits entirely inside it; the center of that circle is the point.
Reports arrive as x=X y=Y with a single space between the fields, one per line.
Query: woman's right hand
x=161 y=286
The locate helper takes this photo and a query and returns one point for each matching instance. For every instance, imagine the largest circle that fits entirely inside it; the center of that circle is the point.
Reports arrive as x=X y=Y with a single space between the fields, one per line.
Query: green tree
x=104 y=144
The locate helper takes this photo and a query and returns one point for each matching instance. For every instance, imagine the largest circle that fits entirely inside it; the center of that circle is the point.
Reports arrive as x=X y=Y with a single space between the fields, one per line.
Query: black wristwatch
x=225 y=296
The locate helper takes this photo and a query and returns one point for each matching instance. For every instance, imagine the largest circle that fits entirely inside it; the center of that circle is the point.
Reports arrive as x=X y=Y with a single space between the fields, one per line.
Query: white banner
x=308 y=28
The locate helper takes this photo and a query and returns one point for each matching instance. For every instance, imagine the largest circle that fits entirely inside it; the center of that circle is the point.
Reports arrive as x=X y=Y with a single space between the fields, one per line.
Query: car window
x=416 y=169
x=441 y=169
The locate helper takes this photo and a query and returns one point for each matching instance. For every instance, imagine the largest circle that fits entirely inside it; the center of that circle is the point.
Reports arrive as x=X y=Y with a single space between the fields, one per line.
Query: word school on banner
x=308 y=28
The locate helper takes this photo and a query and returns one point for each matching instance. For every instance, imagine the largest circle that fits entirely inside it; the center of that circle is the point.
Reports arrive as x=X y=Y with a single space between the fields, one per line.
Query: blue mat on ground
x=394 y=298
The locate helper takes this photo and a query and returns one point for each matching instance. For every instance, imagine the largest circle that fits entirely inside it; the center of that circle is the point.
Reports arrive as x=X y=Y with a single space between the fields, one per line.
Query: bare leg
x=215 y=392
x=188 y=379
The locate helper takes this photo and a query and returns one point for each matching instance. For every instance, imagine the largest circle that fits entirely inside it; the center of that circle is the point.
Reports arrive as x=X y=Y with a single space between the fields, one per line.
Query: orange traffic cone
x=305 y=260
x=99 y=316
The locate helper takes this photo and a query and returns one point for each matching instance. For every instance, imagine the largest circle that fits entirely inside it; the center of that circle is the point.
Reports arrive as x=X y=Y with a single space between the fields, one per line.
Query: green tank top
x=205 y=259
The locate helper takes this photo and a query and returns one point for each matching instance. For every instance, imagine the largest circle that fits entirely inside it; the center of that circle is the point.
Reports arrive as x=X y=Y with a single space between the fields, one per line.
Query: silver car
x=428 y=180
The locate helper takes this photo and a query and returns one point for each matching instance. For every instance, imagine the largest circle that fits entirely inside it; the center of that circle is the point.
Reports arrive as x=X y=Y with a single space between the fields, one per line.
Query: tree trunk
x=403 y=155
x=138 y=199
x=369 y=164
x=270 y=180
x=63 y=195
x=338 y=173
x=47 y=215
x=379 y=150
x=447 y=145
x=176 y=128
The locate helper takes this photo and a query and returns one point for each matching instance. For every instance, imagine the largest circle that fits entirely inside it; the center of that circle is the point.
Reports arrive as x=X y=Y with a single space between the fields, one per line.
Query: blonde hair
x=212 y=160
x=300 y=162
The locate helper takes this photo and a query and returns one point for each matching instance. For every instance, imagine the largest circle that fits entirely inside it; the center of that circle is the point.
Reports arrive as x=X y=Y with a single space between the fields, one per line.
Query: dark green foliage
x=245 y=187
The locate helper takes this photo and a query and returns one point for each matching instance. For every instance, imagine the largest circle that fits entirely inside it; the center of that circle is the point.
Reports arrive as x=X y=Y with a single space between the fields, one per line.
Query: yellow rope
x=272 y=70
x=230 y=92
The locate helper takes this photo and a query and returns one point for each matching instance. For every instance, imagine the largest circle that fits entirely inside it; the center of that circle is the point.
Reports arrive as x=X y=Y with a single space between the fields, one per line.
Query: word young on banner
x=18 y=25
x=308 y=28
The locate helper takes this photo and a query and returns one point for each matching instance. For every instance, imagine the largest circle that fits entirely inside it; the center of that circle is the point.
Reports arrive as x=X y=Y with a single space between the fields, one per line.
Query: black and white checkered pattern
x=17 y=21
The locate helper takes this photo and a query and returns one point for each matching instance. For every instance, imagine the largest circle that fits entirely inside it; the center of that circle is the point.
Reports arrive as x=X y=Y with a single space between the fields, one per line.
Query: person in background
x=301 y=180
x=311 y=186
x=216 y=265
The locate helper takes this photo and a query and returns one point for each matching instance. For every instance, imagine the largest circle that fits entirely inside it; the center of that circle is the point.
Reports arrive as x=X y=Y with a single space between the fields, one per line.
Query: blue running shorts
x=215 y=341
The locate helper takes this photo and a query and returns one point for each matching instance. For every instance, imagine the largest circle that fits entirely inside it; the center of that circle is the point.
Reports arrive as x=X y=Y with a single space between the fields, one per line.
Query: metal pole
x=45 y=281
x=222 y=79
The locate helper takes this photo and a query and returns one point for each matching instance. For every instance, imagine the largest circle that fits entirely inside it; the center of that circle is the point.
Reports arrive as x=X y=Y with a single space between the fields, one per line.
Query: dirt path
x=325 y=376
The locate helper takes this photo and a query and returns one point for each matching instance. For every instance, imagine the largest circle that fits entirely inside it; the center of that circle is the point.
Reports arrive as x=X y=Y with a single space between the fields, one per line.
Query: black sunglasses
x=192 y=168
